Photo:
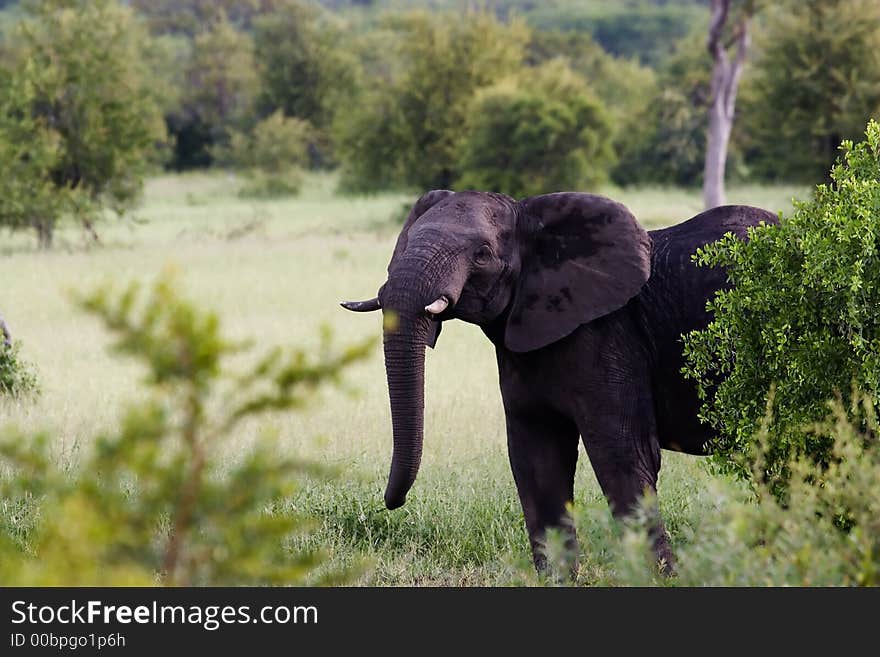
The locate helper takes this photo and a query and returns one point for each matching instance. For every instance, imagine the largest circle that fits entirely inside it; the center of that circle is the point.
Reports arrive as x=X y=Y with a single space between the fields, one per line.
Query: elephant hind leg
x=625 y=455
x=543 y=451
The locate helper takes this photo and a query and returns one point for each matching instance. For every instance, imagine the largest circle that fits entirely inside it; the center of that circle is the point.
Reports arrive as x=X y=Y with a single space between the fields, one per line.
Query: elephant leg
x=543 y=451
x=624 y=451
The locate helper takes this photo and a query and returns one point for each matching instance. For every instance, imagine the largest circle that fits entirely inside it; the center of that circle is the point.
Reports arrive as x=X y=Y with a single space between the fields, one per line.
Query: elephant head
x=533 y=270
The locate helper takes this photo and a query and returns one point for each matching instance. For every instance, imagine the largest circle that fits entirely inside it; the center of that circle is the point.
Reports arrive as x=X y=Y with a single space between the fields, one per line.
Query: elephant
x=585 y=309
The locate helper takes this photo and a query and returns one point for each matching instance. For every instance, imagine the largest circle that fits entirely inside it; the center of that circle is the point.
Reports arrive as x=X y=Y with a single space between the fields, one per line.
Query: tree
x=664 y=141
x=726 y=74
x=816 y=81
x=221 y=86
x=624 y=86
x=799 y=324
x=80 y=125
x=646 y=29
x=188 y=17
x=405 y=130
x=30 y=152
x=620 y=83
x=539 y=132
x=303 y=67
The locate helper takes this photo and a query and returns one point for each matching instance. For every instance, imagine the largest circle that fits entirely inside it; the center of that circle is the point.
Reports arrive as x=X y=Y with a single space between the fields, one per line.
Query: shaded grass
x=275 y=271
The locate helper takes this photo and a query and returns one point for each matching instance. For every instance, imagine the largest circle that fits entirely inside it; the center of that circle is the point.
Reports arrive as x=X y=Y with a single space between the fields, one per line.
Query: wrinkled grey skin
x=585 y=309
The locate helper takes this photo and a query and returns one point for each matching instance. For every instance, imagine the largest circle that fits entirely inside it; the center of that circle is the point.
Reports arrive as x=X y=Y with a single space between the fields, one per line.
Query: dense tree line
x=517 y=99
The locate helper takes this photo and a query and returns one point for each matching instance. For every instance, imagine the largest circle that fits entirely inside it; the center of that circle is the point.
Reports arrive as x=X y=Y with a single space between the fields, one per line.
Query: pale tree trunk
x=725 y=81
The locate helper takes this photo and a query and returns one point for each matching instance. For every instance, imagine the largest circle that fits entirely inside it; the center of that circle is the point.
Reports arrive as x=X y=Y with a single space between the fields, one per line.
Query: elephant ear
x=425 y=203
x=583 y=256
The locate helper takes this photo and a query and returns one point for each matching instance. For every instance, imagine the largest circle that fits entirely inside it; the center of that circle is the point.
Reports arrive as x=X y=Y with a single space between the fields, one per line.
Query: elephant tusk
x=437 y=307
x=362 y=306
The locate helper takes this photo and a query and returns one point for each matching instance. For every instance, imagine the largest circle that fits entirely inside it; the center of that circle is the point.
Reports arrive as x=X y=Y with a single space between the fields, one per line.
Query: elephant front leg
x=543 y=451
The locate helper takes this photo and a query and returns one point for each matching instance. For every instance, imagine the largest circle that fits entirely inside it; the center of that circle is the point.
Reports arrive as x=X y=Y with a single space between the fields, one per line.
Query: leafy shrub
x=163 y=499
x=17 y=377
x=261 y=185
x=542 y=132
x=825 y=535
x=801 y=315
x=271 y=155
x=625 y=88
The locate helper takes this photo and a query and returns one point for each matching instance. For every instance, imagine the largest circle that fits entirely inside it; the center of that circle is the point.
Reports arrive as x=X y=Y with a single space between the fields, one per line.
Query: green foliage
x=272 y=155
x=827 y=534
x=186 y=17
x=79 y=125
x=17 y=377
x=405 y=130
x=368 y=140
x=544 y=131
x=646 y=29
x=167 y=56
x=262 y=185
x=815 y=82
x=221 y=85
x=665 y=141
x=304 y=70
x=801 y=316
x=622 y=84
x=163 y=499
x=626 y=88
x=30 y=150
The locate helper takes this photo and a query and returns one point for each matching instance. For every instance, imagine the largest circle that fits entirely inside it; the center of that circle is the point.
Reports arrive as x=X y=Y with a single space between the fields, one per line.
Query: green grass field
x=275 y=272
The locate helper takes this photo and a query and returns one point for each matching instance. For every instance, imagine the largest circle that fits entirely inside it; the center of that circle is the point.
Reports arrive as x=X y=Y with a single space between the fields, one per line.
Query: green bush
x=261 y=185
x=17 y=377
x=825 y=535
x=542 y=132
x=625 y=88
x=801 y=315
x=171 y=496
x=272 y=155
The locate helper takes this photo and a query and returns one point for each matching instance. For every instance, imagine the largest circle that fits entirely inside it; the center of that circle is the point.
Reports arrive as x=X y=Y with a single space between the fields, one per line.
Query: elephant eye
x=483 y=255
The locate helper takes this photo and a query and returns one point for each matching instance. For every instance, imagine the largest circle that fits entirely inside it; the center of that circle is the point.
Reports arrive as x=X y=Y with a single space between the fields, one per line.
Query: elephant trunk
x=404 y=340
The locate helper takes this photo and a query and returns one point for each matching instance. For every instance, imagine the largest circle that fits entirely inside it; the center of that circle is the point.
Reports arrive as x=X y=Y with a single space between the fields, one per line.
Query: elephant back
x=674 y=300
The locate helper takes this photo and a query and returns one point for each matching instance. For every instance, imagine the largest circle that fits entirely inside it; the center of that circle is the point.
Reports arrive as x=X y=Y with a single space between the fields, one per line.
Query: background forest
x=515 y=96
